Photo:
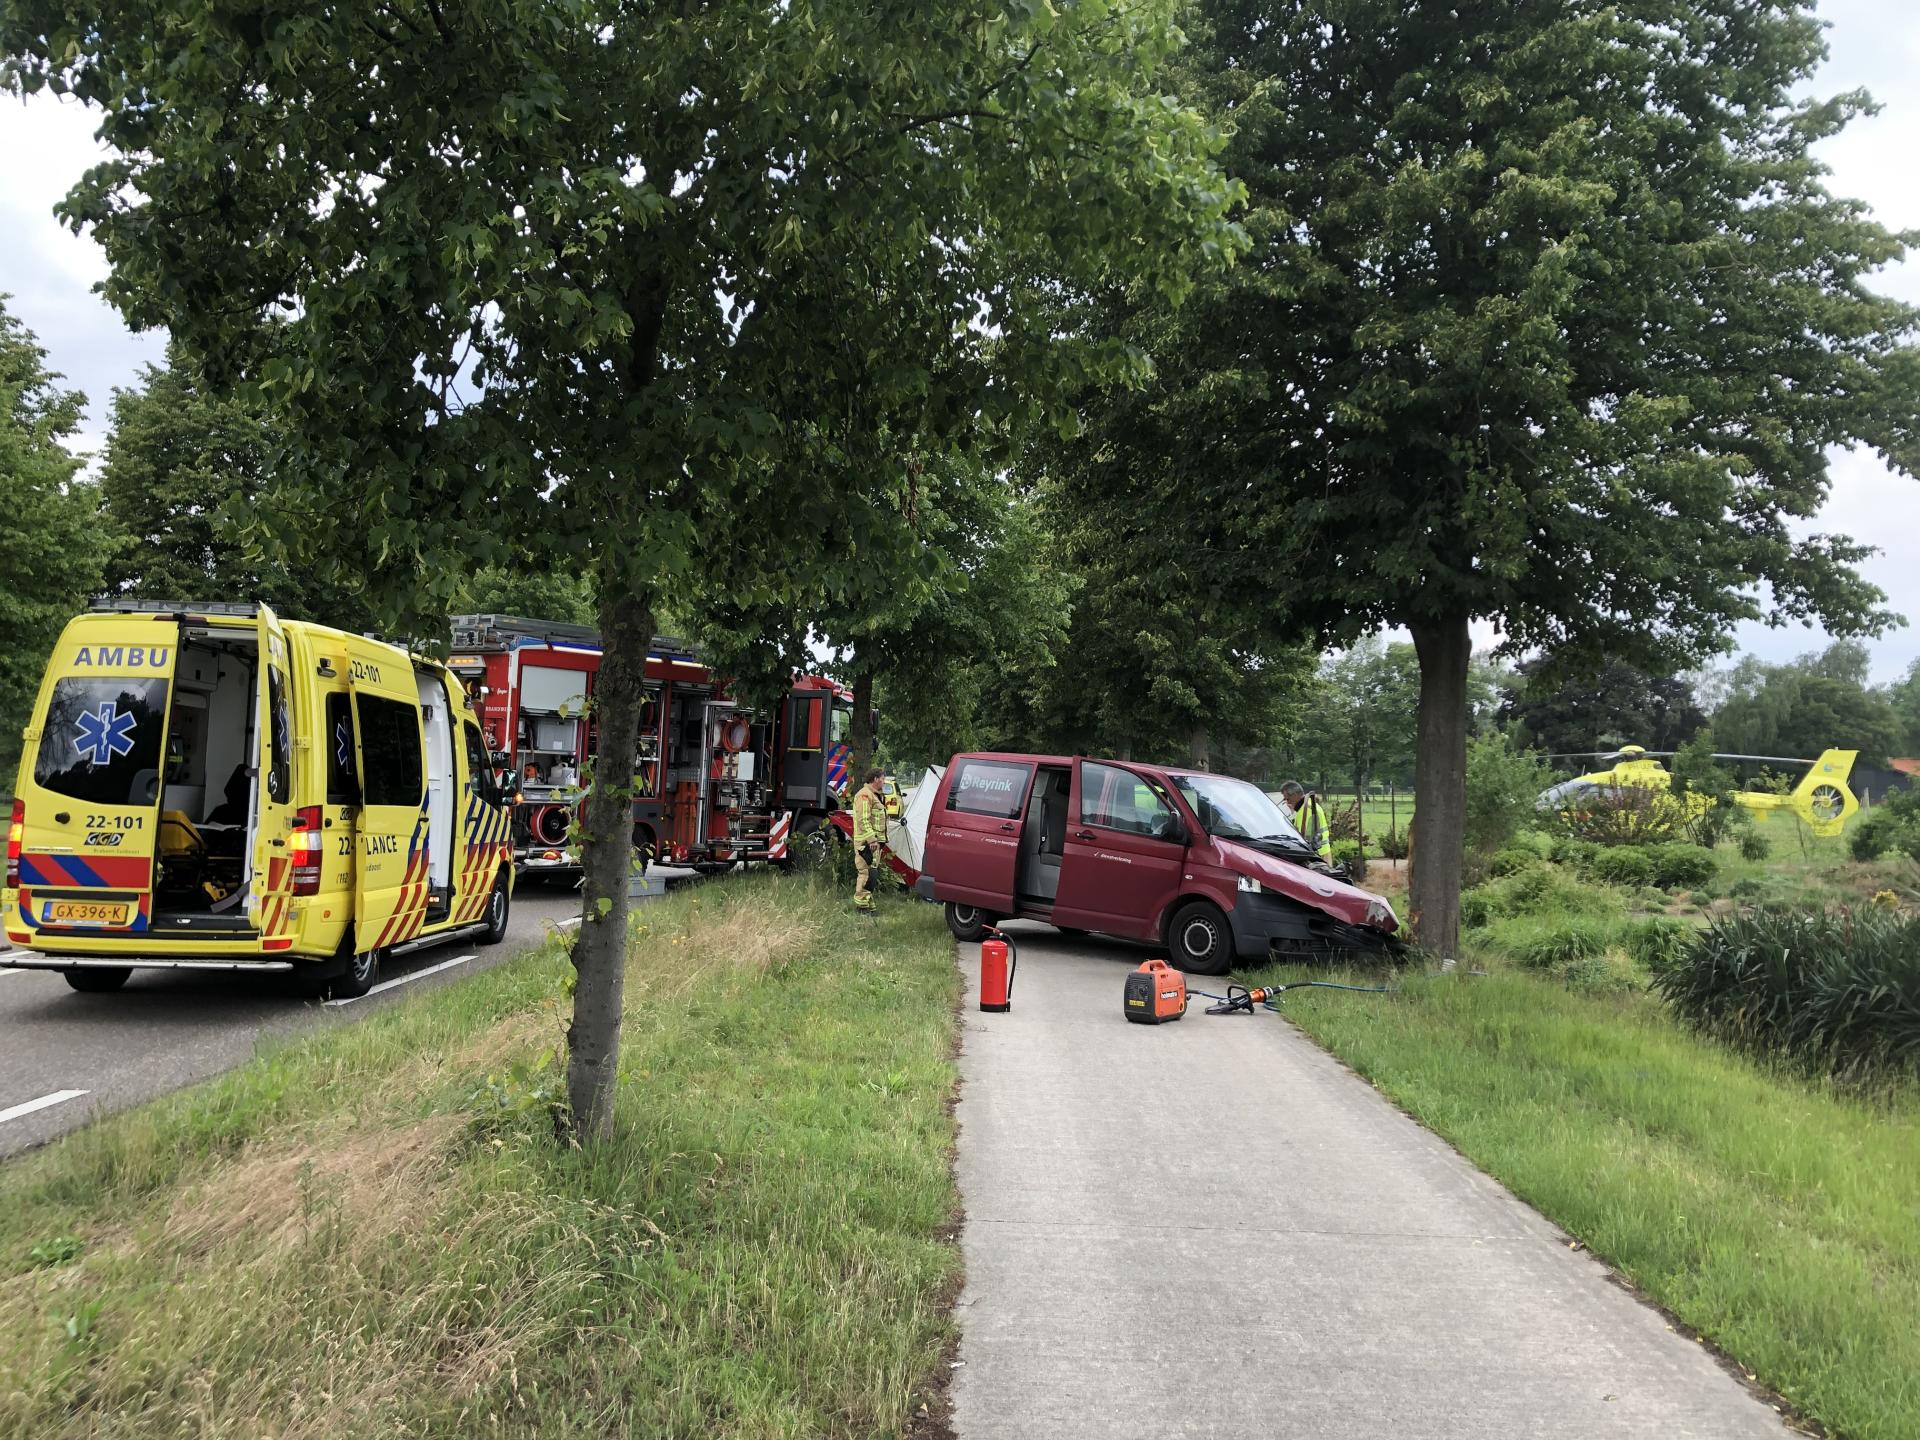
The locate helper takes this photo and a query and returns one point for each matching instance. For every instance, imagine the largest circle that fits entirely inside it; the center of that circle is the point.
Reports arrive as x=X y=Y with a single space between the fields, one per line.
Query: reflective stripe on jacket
x=869 y=818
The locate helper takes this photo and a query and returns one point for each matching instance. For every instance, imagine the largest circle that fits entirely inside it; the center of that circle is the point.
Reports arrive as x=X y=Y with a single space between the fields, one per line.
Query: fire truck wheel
x=97 y=979
x=357 y=979
x=1198 y=940
x=496 y=930
x=968 y=922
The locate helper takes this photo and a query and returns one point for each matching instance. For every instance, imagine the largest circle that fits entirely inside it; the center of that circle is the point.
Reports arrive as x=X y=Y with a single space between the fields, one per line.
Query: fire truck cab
x=715 y=782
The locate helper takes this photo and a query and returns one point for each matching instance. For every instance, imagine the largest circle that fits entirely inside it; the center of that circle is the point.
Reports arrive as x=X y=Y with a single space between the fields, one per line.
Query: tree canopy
x=183 y=470
x=1559 y=712
x=1821 y=701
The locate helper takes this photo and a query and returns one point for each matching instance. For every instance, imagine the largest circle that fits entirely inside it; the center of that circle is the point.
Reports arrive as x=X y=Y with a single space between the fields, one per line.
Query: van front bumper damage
x=1269 y=927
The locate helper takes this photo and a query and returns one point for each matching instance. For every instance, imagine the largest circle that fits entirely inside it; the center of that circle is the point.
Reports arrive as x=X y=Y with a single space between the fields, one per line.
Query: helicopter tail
x=1823 y=798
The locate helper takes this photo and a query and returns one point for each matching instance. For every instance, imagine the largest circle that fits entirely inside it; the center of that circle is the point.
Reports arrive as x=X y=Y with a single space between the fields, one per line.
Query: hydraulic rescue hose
x=1240 y=1000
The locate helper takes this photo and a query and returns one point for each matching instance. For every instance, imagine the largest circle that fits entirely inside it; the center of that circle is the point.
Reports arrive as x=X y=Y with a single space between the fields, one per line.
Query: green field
x=373 y=1231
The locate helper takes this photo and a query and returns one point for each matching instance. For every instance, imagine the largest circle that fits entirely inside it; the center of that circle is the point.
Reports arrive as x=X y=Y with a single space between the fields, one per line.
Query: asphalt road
x=1214 y=1228
x=66 y=1058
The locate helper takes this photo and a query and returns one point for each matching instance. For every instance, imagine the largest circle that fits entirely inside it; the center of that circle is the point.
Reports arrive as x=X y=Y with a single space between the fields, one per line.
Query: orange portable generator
x=1156 y=993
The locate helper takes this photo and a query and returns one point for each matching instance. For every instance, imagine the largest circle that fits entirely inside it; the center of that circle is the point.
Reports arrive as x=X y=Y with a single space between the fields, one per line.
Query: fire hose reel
x=735 y=733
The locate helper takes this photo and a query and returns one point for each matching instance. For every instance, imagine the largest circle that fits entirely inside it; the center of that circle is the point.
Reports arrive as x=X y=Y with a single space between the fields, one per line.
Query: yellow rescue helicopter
x=1822 y=800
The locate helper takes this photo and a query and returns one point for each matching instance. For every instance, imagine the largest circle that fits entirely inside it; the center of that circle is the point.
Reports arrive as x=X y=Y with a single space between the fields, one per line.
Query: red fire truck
x=717 y=783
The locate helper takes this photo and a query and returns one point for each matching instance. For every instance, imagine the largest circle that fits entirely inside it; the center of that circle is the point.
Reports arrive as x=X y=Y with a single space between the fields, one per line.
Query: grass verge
x=1773 y=1214
x=372 y=1232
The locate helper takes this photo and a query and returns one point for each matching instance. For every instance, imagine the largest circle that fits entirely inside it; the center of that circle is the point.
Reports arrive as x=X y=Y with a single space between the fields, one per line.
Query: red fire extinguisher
x=999 y=957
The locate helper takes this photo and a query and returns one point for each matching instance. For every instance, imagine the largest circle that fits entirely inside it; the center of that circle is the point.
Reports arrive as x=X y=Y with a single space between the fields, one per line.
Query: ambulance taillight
x=306 y=844
x=16 y=830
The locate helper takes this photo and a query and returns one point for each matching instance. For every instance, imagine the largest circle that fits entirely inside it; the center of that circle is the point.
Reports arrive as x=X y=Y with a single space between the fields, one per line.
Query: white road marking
x=14 y=954
x=27 y=1107
x=407 y=979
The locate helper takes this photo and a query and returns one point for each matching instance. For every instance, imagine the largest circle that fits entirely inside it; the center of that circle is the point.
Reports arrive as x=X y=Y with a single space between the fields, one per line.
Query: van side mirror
x=1173 y=829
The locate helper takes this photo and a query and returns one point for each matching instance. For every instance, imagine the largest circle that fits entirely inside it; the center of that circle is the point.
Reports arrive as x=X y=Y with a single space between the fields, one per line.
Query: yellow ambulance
x=209 y=787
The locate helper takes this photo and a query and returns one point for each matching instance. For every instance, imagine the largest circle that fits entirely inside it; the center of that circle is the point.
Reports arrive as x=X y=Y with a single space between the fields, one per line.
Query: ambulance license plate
x=86 y=912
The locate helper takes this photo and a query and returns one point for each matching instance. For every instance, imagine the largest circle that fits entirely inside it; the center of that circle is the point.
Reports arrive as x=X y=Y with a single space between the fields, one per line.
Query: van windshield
x=1234 y=810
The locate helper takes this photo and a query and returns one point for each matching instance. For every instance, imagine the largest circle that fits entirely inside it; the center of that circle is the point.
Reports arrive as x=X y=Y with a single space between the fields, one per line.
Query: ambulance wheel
x=968 y=922
x=98 y=979
x=1198 y=940
x=363 y=969
x=496 y=930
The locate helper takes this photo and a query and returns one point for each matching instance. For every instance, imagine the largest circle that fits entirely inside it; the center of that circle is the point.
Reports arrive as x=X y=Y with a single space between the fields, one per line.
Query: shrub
x=1836 y=990
x=1891 y=827
x=1512 y=859
x=1393 y=845
x=1656 y=941
x=1554 y=946
x=1628 y=865
x=1747 y=887
x=1353 y=854
x=1607 y=973
x=1678 y=867
x=1624 y=815
x=1568 y=850
x=1478 y=909
x=1503 y=786
x=1755 y=846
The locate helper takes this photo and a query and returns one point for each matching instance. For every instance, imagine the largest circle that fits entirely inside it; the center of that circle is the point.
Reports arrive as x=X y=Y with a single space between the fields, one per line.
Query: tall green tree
x=535 y=587
x=1820 y=701
x=182 y=473
x=1550 y=321
x=1904 y=696
x=54 y=545
x=1363 y=723
x=1614 y=704
x=633 y=287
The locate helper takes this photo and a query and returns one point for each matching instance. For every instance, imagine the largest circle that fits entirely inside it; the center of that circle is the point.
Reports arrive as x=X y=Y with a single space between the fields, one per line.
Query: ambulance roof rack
x=122 y=606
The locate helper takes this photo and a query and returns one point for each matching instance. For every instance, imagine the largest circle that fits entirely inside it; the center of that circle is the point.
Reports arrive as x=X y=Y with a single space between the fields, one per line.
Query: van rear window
x=390 y=751
x=100 y=742
x=982 y=787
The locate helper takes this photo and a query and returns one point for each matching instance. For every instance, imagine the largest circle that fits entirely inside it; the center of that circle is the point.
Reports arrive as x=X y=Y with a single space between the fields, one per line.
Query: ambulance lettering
x=383 y=844
x=360 y=670
x=123 y=657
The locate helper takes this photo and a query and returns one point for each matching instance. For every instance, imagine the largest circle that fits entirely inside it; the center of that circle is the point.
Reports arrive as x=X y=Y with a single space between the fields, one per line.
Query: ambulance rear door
x=270 y=883
x=89 y=800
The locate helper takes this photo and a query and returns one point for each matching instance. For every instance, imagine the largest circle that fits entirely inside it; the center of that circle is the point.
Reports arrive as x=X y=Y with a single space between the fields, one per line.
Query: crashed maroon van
x=1208 y=865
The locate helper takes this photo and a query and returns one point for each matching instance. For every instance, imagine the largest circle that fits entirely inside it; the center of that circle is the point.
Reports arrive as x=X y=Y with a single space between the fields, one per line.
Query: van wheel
x=496 y=930
x=968 y=922
x=1198 y=940
x=358 y=978
x=98 y=979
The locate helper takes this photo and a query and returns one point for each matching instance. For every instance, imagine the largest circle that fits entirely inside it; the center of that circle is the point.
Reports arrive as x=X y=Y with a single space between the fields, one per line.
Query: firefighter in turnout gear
x=869 y=839
x=1309 y=818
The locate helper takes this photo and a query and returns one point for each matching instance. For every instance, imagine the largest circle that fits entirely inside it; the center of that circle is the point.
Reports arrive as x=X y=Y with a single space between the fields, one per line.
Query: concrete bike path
x=1212 y=1228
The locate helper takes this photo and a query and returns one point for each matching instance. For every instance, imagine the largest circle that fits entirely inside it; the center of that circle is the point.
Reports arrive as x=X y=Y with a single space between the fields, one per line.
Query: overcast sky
x=45 y=145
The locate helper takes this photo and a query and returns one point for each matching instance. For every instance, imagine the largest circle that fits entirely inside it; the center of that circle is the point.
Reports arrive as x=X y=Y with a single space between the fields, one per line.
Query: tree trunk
x=1440 y=782
x=860 y=736
x=1199 y=747
x=600 y=948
